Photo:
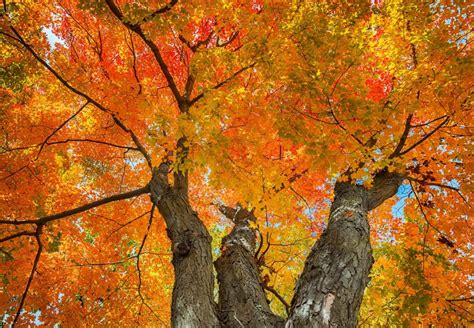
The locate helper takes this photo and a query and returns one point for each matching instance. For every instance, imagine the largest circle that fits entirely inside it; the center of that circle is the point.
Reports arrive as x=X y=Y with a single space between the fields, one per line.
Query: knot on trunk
x=159 y=182
x=183 y=245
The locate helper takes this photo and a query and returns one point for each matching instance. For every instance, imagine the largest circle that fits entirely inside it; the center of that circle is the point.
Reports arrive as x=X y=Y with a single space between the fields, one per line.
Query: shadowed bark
x=192 y=300
x=330 y=289
x=242 y=300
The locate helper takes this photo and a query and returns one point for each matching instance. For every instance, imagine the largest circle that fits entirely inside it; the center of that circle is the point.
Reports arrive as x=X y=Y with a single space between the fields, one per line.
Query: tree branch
x=45 y=219
x=420 y=206
x=429 y=122
x=85 y=96
x=220 y=84
x=72 y=140
x=19 y=234
x=385 y=185
x=436 y=184
x=342 y=127
x=33 y=270
x=154 y=49
x=162 y=10
x=278 y=296
x=425 y=137
x=59 y=128
x=403 y=138
x=232 y=37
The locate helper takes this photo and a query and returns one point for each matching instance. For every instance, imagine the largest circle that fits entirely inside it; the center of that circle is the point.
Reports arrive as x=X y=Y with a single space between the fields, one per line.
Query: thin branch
x=340 y=78
x=153 y=47
x=60 y=127
x=436 y=184
x=425 y=137
x=119 y=261
x=220 y=84
x=278 y=296
x=150 y=221
x=129 y=222
x=403 y=138
x=93 y=141
x=45 y=219
x=342 y=127
x=19 y=234
x=85 y=96
x=428 y=123
x=106 y=263
x=71 y=140
x=15 y=172
x=134 y=63
x=465 y=299
x=420 y=206
x=197 y=45
x=232 y=37
x=162 y=10
x=33 y=270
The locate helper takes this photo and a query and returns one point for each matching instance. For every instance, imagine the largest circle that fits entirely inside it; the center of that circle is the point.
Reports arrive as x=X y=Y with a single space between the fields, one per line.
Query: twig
x=279 y=297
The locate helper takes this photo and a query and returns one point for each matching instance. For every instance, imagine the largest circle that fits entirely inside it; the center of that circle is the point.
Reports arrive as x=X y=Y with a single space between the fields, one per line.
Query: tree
x=130 y=129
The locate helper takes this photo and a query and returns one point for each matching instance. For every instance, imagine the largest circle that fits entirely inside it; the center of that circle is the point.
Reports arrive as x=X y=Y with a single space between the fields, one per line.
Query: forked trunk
x=329 y=291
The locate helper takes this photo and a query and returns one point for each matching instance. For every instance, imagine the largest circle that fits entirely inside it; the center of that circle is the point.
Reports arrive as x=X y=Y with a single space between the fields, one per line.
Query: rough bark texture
x=192 y=301
x=330 y=289
x=242 y=301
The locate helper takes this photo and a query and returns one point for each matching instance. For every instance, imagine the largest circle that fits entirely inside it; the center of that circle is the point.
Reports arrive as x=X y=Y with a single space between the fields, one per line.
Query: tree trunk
x=330 y=289
x=193 y=295
x=242 y=300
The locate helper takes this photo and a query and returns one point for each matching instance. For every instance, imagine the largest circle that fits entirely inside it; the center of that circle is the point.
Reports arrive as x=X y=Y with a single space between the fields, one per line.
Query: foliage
x=285 y=98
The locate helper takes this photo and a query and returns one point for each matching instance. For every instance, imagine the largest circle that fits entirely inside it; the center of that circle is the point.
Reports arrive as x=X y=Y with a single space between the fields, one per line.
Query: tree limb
x=19 y=234
x=45 y=219
x=220 y=84
x=425 y=137
x=33 y=270
x=278 y=296
x=85 y=96
x=162 y=10
x=436 y=184
x=403 y=138
x=154 y=49
x=150 y=221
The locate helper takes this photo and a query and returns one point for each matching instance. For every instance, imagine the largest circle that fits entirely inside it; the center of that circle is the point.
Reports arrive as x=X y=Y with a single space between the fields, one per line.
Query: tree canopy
x=261 y=103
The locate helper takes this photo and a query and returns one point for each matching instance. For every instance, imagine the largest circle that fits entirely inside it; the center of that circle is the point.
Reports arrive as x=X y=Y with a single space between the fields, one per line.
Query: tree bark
x=193 y=296
x=242 y=300
x=330 y=289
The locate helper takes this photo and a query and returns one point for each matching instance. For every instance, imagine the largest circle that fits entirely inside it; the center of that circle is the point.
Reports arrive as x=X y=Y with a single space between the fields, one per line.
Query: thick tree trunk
x=242 y=301
x=193 y=295
x=330 y=289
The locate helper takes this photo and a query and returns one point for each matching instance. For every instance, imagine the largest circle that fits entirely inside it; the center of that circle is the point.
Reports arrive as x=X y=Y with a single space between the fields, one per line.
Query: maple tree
x=207 y=138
